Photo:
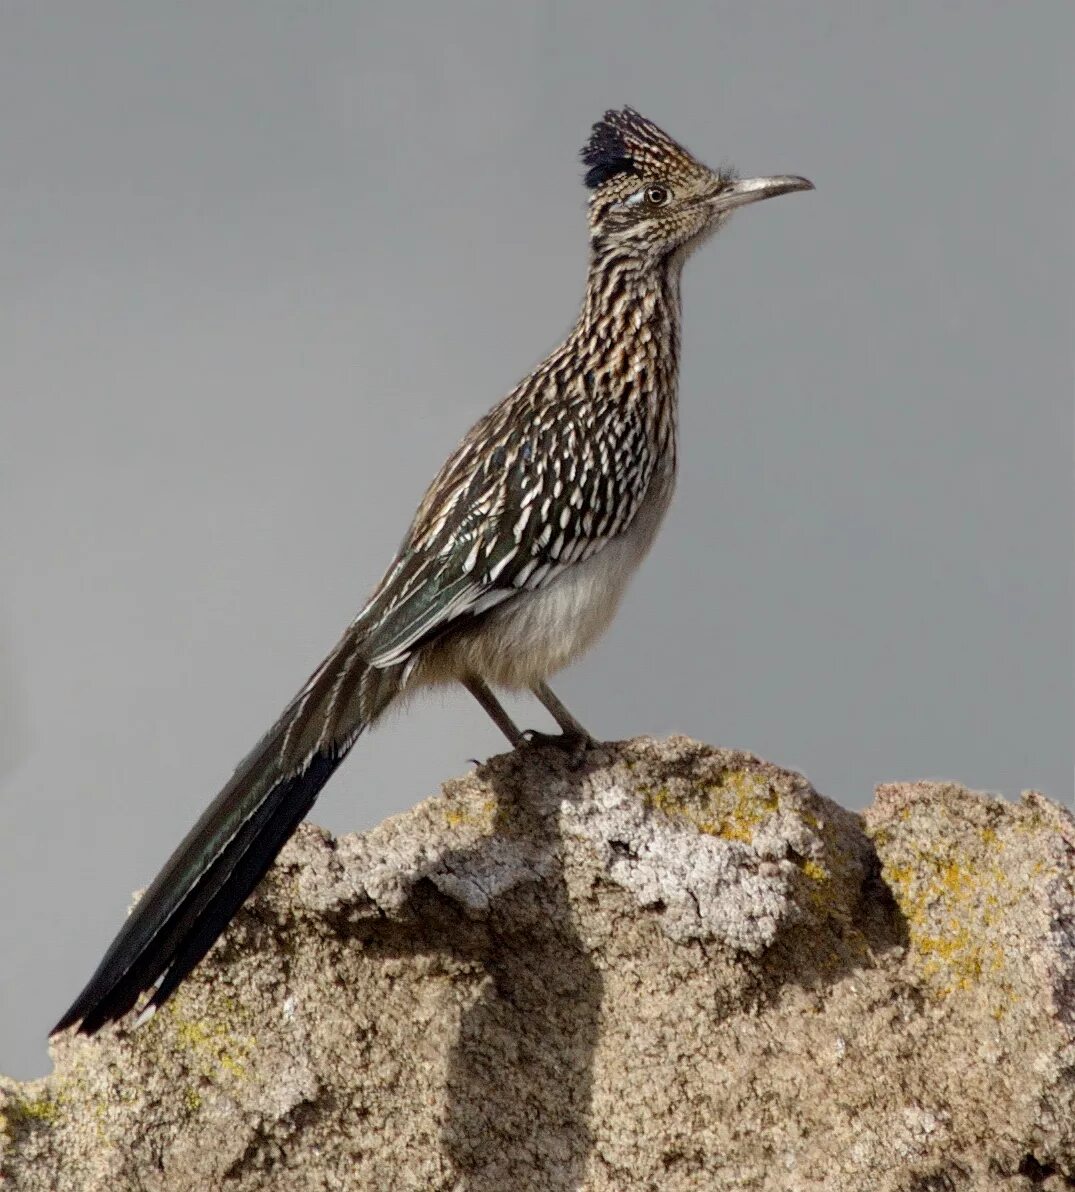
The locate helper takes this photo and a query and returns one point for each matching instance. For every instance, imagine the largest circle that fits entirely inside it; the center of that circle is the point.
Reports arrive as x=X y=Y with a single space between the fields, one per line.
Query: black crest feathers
x=606 y=152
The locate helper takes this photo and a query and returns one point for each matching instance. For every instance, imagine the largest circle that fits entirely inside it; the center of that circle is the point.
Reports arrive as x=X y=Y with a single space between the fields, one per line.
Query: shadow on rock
x=520 y=1076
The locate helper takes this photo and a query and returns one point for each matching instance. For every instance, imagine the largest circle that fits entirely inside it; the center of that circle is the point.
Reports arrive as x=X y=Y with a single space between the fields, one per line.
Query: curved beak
x=750 y=190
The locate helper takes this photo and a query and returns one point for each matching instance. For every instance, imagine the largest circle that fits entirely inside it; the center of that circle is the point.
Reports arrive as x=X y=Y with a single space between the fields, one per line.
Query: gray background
x=263 y=264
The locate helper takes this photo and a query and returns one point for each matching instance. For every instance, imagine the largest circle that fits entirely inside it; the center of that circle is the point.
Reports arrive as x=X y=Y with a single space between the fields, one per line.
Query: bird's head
x=651 y=198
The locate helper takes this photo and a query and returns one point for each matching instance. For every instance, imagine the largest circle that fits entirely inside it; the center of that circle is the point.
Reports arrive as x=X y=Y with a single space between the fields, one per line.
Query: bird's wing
x=426 y=595
x=497 y=521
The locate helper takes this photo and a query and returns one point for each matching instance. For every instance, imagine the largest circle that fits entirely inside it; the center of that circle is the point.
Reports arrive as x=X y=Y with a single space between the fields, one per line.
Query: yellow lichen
x=27 y=1112
x=949 y=907
x=815 y=871
x=732 y=808
x=45 y=1109
x=483 y=816
x=216 y=1046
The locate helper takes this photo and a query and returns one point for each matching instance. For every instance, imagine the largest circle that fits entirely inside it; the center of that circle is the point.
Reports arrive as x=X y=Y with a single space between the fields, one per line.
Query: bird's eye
x=657 y=196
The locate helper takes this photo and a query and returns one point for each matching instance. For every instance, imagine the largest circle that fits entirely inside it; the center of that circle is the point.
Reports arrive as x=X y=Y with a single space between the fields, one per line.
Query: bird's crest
x=623 y=142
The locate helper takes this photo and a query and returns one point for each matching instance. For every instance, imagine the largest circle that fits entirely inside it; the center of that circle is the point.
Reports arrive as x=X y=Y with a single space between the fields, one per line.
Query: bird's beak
x=750 y=190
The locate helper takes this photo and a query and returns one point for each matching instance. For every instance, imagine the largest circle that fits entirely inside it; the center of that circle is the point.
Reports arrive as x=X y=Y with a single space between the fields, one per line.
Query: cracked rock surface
x=664 y=967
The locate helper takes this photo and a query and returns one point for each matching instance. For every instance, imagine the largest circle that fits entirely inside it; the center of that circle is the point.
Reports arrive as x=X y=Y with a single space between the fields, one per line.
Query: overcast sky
x=263 y=264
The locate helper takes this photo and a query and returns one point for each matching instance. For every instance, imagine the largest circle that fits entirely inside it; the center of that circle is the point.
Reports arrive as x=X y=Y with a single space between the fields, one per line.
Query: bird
x=513 y=565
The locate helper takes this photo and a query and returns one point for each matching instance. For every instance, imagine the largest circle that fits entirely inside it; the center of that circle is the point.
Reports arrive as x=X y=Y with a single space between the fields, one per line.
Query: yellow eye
x=657 y=196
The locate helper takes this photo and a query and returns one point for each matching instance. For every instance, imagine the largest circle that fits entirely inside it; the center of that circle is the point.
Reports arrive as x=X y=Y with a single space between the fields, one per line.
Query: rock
x=666 y=967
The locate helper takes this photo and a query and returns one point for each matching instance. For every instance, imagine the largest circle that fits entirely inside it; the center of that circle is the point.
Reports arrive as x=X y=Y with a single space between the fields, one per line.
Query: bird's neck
x=624 y=348
x=630 y=300
x=628 y=331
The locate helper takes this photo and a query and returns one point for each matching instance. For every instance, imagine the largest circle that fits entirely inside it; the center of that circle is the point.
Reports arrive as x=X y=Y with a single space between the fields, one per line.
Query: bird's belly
x=530 y=637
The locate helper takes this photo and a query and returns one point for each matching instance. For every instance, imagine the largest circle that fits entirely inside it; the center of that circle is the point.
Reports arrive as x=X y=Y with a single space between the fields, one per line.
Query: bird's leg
x=480 y=690
x=574 y=736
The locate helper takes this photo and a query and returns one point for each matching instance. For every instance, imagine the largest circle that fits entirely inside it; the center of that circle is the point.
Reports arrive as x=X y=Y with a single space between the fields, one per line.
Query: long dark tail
x=229 y=849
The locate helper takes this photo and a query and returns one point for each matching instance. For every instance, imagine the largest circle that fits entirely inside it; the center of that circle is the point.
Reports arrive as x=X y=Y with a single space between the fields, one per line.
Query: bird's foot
x=573 y=744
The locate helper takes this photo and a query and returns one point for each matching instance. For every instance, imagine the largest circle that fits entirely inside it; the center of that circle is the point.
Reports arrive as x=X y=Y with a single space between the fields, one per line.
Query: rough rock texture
x=665 y=967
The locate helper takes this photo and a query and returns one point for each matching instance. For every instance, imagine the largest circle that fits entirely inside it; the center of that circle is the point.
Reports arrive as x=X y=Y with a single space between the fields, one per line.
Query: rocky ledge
x=665 y=966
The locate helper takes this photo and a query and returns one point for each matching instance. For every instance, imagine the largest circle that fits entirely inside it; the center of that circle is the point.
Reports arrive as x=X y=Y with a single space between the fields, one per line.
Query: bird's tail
x=229 y=849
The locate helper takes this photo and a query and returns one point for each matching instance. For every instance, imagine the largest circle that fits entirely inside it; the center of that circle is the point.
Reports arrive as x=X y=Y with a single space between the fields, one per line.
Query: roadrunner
x=513 y=565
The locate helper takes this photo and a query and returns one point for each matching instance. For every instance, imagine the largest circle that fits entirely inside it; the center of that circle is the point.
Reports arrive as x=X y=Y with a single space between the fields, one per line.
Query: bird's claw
x=574 y=744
